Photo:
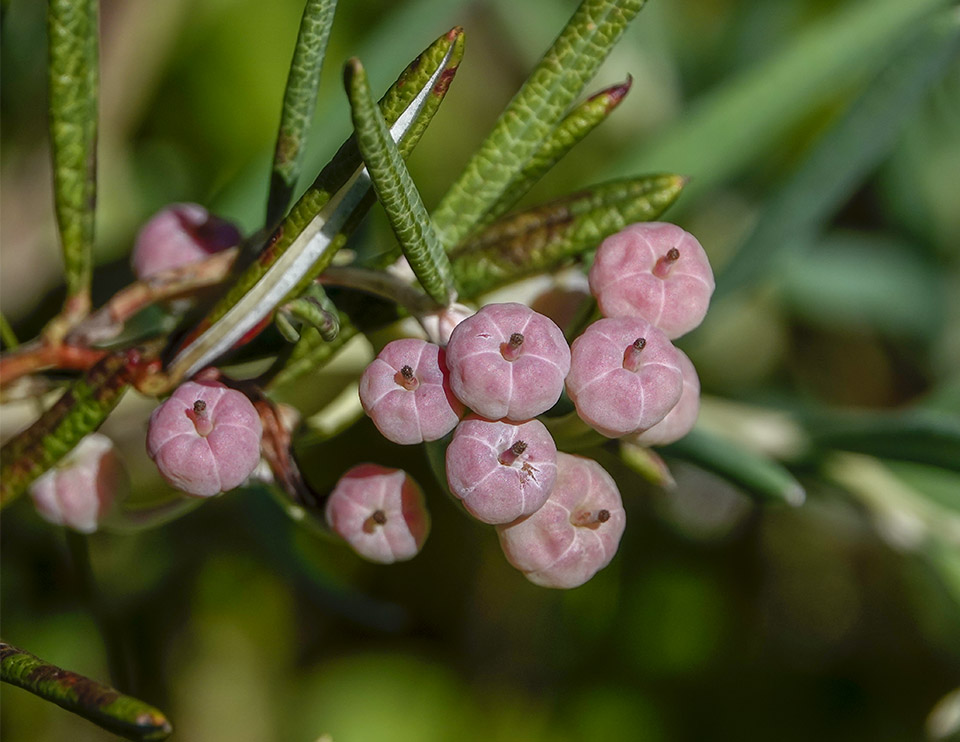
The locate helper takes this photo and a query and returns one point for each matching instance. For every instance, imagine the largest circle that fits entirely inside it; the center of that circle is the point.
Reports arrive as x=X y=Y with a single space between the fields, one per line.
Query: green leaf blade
x=320 y=222
x=578 y=123
x=299 y=102
x=107 y=708
x=397 y=192
x=532 y=115
x=544 y=237
x=73 y=48
x=79 y=411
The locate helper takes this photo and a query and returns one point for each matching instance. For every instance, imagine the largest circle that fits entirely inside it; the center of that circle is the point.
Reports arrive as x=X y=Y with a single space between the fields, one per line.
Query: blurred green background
x=720 y=619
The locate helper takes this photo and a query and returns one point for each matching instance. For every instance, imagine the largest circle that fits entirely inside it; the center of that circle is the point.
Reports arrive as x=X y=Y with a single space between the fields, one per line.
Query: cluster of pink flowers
x=559 y=517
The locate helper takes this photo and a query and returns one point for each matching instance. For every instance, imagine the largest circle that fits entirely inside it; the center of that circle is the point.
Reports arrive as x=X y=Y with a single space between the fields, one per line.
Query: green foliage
x=396 y=191
x=546 y=237
x=299 y=100
x=72 y=27
x=533 y=114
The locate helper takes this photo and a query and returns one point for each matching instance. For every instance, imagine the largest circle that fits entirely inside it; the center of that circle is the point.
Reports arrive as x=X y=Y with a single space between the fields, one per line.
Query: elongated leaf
x=737 y=124
x=760 y=476
x=533 y=114
x=578 y=123
x=318 y=225
x=544 y=237
x=396 y=190
x=72 y=28
x=299 y=102
x=846 y=153
x=81 y=410
x=920 y=436
x=104 y=706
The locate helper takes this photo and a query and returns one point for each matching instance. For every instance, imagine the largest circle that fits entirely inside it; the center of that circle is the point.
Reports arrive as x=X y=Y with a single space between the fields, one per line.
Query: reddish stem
x=508 y=457
x=633 y=355
x=511 y=349
x=28 y=359
x=406 y=378
x=665 y=263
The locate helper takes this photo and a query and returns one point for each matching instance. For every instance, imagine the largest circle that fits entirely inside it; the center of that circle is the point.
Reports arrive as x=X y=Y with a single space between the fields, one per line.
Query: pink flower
x=405 y=392
x=681 y=419
x=178 y=235
x=655 y=271
x=501 y=471
x=507 y=361
x=380 y=512
x=205 y=439
x=576 y=532
x=624 y=376
x=80 y=491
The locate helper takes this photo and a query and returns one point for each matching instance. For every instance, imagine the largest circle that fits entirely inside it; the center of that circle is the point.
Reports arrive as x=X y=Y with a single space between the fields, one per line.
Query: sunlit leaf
x=533 y=114
x=543 y=238
x=397 y=192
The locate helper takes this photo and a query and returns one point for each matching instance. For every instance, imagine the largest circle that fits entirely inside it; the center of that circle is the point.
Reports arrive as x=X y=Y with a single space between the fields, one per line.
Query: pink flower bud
x=205 y=439
x=624 y=376
x=80 y=491
x=680 y=420
x=656 y=271
x=576 y=532
x=178 y=235
x=501 y=471
x=380 y=512
x=440 y=324
x=405 y=392
x=507 y=361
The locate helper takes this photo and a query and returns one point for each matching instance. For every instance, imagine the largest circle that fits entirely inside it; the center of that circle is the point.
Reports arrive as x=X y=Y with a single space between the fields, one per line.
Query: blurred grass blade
x=72 y=35
x=107 y=708
x=847 y=152
x=924 y=437
x=299 y=102
x=318 y=225
x=738 y=124
x=531 y=117
x=578 y=123
x=396 y=190
x=7 y=335
x=758 y=475
x=79 y=411
x=544 y=237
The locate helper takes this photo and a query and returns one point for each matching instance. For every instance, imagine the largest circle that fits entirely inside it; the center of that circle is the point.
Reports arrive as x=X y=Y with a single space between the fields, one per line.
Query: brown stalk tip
x=199 y=406
x=407 y=373
x=639 y=343
x=518 y=448
x=603 y=516
x=380 y=517
x=673 y=254
x=516 y=340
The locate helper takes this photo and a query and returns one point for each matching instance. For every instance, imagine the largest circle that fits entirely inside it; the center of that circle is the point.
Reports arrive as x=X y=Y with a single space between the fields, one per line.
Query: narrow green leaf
x=397 y=191
x=299 y=102
x=531 y=117
x=758 y=475
x=578 y=123
x=7 y=335
x=846 y=153
x=318 y=225
x=79 y=411
x=743 y=121
x=107 y=708
x=544 y=237
x=919 y=436
x=72 y=35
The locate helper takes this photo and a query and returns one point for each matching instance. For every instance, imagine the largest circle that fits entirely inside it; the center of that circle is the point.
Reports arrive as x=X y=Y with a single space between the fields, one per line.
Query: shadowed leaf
x=544 y=237
x=299 y=102
x=101 y=704
x=72 y=33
